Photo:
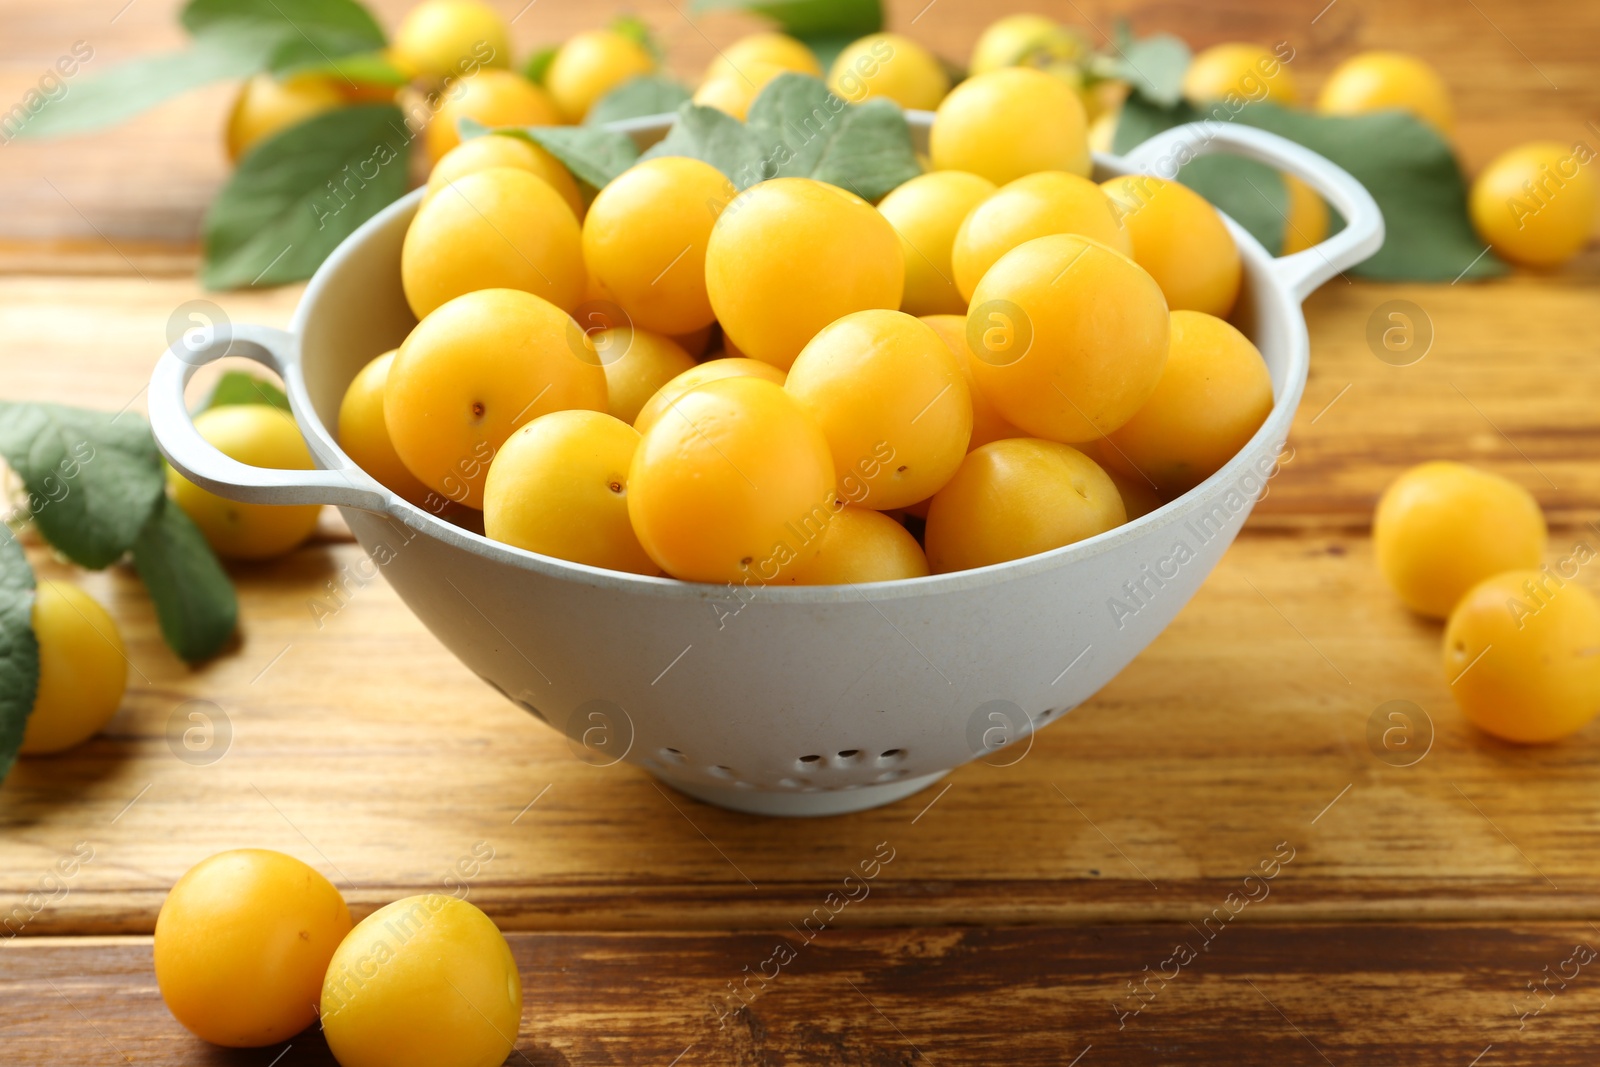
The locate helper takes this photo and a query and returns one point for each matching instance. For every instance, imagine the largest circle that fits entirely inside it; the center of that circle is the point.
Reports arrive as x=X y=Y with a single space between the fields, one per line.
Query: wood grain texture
x=359 y=744
x=1418 y=994
x=1420 y=903
x=136 y=194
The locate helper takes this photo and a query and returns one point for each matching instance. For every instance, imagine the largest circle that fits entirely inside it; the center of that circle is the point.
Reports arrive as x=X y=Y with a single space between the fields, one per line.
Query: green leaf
x=1405 y=165
x=193 y=598
x=638 y=31
x=797 y=128
x=299 y=193
x=593 y=155
x=648 y=94
x=97 y=101
x=865 y=148
x=808 y=18
x=93 y=479
x=367 y=68
x=713 y=137
x=331 y=27
x=1154 y=66
x=237 y=387
x=1412 y=174
x=538 y=63
x=19 y=649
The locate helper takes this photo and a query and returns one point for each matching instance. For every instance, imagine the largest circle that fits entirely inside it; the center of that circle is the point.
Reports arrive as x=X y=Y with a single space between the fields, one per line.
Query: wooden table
x=1414 y=908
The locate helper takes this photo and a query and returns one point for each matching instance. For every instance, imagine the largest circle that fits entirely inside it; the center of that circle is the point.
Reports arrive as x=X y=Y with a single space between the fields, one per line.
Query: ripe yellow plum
x=472 y=372
x=1016 y=498
x=83 y=670
x=892 y=402
x=1519 y=652
x=490 y=96
x=1181 y=240
x=1379 y=80
x=500 y=228
x=987 y=422
x=1035 y=205
x=241 y=946
x=591 y=64
x=1240 y=72
x=892 y=67
x=559 y=486
x=926 y=212
x=427 y=981
x=1213 y=396
x=777 y=49
x=791 y=255
x=1067 y=338
x=709 y=371
x=862 y=545
x=637 y=364
x=364 y=435
x=1008 y=123
x=1442 y=527
x=261 y=436
x=645 y=240
x=440 y=38
x=1536 y=204
x=1026 y=39
x=1307 y=222
x=267 y=104
x=737 y=488
x=735 y=91
x=483 y=153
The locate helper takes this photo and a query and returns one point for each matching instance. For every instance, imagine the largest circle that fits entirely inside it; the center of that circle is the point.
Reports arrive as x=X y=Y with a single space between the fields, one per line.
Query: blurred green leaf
x=1404 y=163
x=19 y=649
x=809 y=132
x=193 y=598
x=808 y=18
x=93 y=101
x=366 y=68
x=334 y=27
x=648 y=94
x=296 y=195
x=638 y=31
x=237 y=387
x=538 y=63
x=714 y=137
x=93 y=479
x=593 y=155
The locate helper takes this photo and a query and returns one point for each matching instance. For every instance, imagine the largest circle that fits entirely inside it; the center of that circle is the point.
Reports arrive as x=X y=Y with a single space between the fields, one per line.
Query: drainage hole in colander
x=891 y=755
x=808 y=762
x=848 y=755
x=719 y=771
x=672 y=755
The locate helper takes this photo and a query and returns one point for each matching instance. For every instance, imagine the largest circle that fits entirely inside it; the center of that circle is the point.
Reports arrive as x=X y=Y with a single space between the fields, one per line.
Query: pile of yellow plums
x=1522 y=644
x=1534 y=204
x=778 y=385
x=253 y=946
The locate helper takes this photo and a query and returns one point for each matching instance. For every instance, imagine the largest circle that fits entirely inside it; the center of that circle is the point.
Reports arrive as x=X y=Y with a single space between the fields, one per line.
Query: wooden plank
x=359 y=744
x=136 y=194
x=1392 y=993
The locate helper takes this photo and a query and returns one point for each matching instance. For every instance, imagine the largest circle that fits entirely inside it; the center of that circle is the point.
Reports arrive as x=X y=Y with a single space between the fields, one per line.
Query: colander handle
x=199 y=461
x=1303 y=271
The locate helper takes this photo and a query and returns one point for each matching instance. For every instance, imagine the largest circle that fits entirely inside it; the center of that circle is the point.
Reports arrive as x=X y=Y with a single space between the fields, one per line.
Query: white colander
x=799 y=700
